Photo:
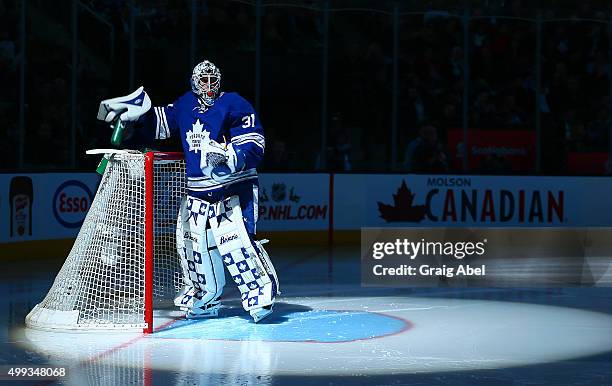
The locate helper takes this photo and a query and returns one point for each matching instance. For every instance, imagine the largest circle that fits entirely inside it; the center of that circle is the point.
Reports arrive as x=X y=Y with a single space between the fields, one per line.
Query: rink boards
x=307 y=208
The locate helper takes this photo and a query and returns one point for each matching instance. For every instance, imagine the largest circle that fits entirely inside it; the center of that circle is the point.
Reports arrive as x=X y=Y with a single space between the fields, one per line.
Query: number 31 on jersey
x=249 y=121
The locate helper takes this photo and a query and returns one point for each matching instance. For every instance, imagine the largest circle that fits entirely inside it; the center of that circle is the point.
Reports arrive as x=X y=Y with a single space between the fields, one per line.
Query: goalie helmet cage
x=124 y=259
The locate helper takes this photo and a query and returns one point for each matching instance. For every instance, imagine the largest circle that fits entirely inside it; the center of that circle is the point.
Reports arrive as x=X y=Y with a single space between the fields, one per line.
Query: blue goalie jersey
x=231 y=119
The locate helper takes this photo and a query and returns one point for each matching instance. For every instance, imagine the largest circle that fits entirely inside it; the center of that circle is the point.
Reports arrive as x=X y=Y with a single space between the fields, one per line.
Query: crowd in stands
x=9 y=79
x=573 y=104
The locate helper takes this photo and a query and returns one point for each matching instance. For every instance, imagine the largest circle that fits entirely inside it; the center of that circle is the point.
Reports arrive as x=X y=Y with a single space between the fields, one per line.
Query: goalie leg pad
x=185 y=297
x=269 y=267
x=200 y=260
x=180 y=241
x=240 y=256
x=214 y=274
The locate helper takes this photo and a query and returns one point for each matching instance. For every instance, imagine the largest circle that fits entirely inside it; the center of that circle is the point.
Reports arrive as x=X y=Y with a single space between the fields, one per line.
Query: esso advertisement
x=44 y=206
x=71 y=202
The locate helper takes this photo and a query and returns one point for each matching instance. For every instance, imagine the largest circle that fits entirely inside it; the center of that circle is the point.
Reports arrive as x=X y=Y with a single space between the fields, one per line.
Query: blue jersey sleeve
x=247 y=134
x=165 y=121
x=159 y=122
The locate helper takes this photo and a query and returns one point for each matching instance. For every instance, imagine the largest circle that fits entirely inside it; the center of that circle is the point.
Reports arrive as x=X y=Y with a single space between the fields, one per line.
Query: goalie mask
x=206 y=82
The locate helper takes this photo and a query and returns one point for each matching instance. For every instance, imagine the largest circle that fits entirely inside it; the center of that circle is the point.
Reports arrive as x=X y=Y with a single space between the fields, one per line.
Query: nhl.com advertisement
x=293 y=202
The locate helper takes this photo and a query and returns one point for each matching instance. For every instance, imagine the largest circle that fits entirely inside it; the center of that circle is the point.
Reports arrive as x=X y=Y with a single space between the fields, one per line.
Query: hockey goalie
x=223 y=143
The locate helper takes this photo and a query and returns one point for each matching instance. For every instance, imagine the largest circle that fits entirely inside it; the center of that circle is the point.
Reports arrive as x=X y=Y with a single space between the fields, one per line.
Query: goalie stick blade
x=102 y=165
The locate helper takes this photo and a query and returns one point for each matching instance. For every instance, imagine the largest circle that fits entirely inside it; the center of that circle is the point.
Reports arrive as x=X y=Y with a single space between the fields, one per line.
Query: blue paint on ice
x=310 y=326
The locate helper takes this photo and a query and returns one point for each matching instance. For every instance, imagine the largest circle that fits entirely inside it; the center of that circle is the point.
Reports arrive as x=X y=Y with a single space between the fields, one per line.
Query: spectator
x=425 y=154
x=339 y=146
x=277 y=159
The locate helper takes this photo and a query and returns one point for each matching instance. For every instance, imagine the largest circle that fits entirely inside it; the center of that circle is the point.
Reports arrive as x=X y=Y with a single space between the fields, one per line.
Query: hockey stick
x=116 y=139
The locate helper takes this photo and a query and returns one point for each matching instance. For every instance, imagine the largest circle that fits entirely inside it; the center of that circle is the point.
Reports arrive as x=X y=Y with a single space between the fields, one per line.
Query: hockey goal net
x=124 y=260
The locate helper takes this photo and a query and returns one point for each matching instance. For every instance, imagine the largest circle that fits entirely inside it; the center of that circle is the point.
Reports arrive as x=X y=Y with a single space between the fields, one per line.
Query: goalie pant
x=213 y=234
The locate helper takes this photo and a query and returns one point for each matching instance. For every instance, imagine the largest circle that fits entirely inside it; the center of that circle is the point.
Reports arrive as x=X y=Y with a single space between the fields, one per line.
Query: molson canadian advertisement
x=421 y=200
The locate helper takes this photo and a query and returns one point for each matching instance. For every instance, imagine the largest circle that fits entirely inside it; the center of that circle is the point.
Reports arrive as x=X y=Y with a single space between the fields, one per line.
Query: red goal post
x=150 y=158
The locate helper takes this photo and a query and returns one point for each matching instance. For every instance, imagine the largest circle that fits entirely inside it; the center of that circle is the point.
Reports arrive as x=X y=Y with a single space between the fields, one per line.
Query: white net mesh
x=102 y=283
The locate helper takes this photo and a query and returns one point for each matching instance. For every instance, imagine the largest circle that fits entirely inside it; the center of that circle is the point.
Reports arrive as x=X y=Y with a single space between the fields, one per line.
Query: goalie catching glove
x=128 y=108
x=219 y=161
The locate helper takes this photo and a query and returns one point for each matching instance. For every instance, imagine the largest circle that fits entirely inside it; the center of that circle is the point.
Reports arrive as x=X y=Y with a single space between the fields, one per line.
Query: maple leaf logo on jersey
x=196 y=136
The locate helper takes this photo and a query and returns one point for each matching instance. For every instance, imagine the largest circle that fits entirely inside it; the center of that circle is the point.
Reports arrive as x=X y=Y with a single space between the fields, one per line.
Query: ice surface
x=328 y=329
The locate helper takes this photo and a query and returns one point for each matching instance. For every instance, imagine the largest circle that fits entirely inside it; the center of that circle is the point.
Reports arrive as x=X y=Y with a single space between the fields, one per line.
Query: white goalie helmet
x=206 y=82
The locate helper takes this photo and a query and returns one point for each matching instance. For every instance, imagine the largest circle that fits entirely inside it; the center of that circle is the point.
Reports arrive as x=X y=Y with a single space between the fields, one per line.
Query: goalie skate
x=209 y=310
x=261 y=313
